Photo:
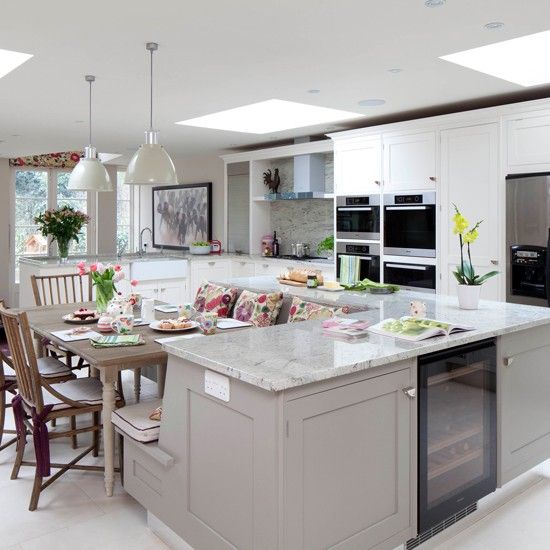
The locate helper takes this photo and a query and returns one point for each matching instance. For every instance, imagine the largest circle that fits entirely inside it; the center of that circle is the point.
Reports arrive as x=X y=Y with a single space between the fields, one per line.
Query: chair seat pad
x=134 y=421
x=87 y=391
x=48 y=367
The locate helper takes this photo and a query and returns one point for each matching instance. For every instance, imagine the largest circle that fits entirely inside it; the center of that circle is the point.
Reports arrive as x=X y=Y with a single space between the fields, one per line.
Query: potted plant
x=326 y=246
x=469 y=284
x=104 y=278
x=64 y=225
x=200 y=247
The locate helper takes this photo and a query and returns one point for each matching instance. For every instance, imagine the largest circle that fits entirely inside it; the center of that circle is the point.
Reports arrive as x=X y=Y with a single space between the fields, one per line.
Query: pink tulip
x=93 y=267
x=117 y=267
x=81 y=265
x=134 y=282
x=82 y=272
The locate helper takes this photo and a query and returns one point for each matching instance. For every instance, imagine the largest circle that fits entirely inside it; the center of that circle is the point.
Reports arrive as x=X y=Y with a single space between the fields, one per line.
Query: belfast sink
x=154 y=270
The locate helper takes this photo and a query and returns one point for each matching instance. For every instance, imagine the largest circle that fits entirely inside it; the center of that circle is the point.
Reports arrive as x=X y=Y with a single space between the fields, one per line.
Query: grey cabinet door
x=350 y=463
x=523 y=400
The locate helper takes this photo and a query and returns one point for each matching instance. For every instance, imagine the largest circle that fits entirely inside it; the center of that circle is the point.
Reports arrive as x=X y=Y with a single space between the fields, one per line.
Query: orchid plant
x=465 y=273
x=104 y=277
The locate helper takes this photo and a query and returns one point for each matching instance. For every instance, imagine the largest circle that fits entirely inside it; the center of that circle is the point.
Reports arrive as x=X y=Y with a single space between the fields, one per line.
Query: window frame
x=132 y=214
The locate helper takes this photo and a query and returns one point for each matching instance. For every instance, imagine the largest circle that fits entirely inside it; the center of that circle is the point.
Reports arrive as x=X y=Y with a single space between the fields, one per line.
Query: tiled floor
x=74 y=512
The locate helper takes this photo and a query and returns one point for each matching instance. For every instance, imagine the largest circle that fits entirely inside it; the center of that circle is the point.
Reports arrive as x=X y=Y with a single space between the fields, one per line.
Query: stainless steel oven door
x=358 y=222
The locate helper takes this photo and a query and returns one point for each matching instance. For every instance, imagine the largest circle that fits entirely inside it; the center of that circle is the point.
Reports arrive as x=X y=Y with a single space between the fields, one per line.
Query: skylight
x=11 y=60
x=273 y=115
x=523 y=60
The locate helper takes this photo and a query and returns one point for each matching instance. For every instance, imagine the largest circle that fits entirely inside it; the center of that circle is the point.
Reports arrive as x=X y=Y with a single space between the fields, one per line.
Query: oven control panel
x=357 y=201
x=529 y=256
x=408 y=199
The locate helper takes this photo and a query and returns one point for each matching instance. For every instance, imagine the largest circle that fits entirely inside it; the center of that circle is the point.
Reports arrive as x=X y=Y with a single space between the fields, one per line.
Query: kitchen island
x=302 y=441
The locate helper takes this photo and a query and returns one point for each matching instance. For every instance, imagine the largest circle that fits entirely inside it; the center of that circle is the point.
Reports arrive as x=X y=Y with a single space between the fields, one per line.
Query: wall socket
x=216 y=384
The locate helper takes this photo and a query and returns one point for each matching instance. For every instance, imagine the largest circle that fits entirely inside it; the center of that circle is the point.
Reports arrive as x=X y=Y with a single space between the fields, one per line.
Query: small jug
x=123 y=324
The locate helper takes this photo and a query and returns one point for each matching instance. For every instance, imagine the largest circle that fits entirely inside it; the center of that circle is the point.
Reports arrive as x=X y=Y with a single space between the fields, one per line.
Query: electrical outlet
x=216 y=384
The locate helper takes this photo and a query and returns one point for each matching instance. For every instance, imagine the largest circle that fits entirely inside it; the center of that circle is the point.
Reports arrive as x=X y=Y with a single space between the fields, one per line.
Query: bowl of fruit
x=200 y=247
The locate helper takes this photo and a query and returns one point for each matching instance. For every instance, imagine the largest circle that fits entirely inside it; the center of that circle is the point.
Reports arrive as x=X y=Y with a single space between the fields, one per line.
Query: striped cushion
x=134 y=421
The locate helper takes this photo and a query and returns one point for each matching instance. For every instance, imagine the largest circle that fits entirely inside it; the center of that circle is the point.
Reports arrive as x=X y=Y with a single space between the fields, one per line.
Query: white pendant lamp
x=89 y=174
x=151 y=164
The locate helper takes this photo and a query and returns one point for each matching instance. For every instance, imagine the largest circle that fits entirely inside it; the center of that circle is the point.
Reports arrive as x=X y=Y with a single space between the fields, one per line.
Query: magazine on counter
x=415 y=329
x=346 y=328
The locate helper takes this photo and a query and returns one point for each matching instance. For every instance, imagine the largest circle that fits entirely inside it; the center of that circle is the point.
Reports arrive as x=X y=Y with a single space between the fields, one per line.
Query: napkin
x=117 y=341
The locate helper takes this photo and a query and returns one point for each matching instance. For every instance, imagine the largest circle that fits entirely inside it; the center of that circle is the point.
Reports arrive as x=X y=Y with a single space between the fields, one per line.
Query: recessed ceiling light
x=11 y=60
x=313 y=91
x=371 y=102
x=492 y=25
x=395 y=70
x=523 y=60
x=273 y=115
x=434 y=3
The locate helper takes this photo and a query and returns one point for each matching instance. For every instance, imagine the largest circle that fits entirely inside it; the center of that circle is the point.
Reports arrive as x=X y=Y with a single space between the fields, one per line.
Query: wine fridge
x=457 y=430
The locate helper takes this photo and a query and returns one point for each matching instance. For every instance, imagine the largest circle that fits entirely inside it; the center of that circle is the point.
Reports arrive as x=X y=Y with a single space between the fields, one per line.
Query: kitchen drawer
x=146 y=467
x=270 y=268
x=209 y=270
x=242 y=268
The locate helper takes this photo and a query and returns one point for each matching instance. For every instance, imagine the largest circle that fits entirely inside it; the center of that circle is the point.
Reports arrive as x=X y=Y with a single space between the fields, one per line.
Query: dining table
x=105 y=363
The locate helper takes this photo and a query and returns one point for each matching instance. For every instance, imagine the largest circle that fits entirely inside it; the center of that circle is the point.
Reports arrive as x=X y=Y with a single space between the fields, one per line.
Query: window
x=77 y=200
x=31 y=192
x=124 y=210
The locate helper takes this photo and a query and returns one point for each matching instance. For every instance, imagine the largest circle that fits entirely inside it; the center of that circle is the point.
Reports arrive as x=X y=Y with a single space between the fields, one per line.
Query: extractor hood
x=309 y=180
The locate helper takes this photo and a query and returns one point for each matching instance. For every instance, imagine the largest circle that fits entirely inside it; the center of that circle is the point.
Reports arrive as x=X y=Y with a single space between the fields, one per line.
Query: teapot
x=119 y=306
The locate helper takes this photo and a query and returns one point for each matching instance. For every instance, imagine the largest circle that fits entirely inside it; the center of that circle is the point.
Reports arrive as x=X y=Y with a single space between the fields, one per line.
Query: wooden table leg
x=137 y=384
x=108 y=377
x=161 y=379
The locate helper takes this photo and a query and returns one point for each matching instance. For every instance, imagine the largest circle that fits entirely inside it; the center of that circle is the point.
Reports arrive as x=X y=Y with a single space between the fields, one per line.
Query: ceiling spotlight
x=434 y=3
x=492 y=25
x=395 y=71
x=313 y=91
x=371 y=102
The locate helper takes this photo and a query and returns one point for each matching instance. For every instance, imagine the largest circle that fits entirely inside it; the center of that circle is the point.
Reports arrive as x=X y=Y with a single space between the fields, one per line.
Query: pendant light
x=151 y=164
x=89 y=174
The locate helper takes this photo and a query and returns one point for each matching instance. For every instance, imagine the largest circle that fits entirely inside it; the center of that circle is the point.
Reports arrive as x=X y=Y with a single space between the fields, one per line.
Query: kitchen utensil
x=123 y=324
x=215 y=247
x=300 y=250
x=208 y=322
x=293 y=249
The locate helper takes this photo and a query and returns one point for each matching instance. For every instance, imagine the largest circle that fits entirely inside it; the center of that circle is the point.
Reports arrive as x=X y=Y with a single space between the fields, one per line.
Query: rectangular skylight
x=11 y=60
x=273 y=115
x=523 y=60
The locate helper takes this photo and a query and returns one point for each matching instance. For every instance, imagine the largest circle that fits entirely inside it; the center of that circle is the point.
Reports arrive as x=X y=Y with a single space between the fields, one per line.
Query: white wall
x=198 y=169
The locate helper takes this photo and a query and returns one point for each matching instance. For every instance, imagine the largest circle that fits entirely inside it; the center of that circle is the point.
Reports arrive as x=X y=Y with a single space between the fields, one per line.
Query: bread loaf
x=300 y=275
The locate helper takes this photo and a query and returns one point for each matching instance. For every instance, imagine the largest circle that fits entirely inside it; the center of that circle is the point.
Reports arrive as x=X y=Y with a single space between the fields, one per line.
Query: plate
x=327 y=289
x=168 y=308
x=155 y=326
x=70 y=319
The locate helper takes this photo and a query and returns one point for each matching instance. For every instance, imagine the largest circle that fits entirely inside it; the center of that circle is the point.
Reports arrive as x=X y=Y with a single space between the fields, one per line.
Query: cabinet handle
x=265 y=265
x=433 y=178
x=410 y=392
x=494 y=262
x=162 y=289
x=211 y=263
x=377 y=182
x=507 y=361
x=243 y=263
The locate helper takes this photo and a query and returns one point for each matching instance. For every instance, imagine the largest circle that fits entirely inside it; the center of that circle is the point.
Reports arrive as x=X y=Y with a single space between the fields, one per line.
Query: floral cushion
x=261 y=310
x=215 y=299
x=308 y=311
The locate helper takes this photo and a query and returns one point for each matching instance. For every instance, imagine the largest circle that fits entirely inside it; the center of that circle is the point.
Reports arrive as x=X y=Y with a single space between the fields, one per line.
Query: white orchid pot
x=468 y=296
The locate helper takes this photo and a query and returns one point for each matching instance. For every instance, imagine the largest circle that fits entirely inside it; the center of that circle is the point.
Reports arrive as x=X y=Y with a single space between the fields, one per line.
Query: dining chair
x=38 y=401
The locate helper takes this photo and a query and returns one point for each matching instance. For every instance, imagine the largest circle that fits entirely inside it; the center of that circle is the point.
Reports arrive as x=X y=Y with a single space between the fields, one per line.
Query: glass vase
x=103 y=295
x=63 y=248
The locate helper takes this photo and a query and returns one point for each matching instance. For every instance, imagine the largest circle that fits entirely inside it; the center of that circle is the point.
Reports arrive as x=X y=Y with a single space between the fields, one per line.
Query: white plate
x=327 y=289
x=155 y=326
x=168 y=308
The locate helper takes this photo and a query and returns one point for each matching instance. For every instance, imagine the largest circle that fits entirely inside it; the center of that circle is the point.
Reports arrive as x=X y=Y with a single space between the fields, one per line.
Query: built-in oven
x=409 y=224
x=365 y=256
x=410 y=276
x=358 y=218
x=527 y=275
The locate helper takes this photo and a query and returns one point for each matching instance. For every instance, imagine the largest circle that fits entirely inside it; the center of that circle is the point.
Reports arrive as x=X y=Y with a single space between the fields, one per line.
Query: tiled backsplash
x=305 y=221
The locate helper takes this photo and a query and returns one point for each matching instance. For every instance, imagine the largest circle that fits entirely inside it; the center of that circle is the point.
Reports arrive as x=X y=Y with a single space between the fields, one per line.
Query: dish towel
x=117 y=341
x=349 y=269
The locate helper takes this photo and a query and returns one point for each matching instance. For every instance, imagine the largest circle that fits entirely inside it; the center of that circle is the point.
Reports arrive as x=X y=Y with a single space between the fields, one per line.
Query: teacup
x=208 y=322
x=123 y=324
x=187 y=310
x=104 y=323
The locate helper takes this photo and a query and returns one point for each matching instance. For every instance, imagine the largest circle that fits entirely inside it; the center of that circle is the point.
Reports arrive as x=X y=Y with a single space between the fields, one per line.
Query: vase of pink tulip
x=104 y=277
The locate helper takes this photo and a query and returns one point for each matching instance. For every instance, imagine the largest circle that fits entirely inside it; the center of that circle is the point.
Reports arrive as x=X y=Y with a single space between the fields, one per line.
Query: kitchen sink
x=159 y=269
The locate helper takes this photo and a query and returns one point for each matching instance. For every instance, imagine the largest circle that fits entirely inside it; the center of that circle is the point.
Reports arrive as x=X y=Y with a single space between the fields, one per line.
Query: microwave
x=410 y=224
x=358 y=218
x=368 y=256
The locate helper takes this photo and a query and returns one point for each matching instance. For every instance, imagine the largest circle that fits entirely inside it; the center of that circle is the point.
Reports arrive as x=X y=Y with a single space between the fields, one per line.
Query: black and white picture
x=182 y=215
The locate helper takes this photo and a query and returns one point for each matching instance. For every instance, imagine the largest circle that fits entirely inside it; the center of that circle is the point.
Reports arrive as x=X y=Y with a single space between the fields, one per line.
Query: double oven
x=358 y=218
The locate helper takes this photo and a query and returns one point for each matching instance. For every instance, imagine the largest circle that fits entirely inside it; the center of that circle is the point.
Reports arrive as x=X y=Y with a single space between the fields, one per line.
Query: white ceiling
x=216 y=54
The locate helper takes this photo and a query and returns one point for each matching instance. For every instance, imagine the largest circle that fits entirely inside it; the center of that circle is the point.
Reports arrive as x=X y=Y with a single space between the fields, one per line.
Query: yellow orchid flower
x=470 y=236
x=461 y=223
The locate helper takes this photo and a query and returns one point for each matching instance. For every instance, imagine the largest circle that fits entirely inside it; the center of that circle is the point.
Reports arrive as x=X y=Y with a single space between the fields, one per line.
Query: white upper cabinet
x=528 y=140
x=410 y=161
x=358 y=166
x=469 y=179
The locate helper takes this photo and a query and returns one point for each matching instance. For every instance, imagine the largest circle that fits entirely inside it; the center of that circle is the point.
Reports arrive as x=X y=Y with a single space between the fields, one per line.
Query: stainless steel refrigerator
x=527 y=239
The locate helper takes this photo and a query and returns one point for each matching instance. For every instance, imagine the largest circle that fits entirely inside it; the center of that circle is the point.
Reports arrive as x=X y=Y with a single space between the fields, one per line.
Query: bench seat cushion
x=260 y=309
x=300 y=310
x=134 y=421
x=215 y=299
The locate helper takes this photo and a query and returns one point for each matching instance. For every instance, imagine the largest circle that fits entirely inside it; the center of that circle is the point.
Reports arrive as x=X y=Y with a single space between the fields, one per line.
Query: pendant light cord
x=90 y=116
x=151 y=94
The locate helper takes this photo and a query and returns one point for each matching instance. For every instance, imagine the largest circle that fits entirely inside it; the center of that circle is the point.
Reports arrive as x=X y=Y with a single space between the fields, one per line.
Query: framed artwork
x=182 y=215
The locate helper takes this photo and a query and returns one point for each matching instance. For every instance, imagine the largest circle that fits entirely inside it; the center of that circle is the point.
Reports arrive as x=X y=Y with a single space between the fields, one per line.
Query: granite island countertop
x=295 y=354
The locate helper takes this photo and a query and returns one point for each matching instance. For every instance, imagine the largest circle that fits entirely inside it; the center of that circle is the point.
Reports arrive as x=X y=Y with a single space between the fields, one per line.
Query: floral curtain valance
x=65 y=159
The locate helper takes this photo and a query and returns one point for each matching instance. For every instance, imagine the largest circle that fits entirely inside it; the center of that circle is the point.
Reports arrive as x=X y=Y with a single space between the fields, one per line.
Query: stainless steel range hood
x=309 y=179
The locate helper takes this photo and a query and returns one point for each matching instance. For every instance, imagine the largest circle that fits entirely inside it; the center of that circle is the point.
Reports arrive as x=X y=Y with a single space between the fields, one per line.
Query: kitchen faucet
x=140 y=250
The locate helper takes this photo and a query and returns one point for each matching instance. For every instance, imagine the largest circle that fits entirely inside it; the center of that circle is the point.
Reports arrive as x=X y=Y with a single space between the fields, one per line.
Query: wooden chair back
x=23 y=356
x=69 y=288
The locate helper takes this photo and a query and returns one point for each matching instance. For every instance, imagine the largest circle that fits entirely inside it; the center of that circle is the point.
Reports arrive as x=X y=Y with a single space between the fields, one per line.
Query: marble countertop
x=290 y=355
x=53 y=261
